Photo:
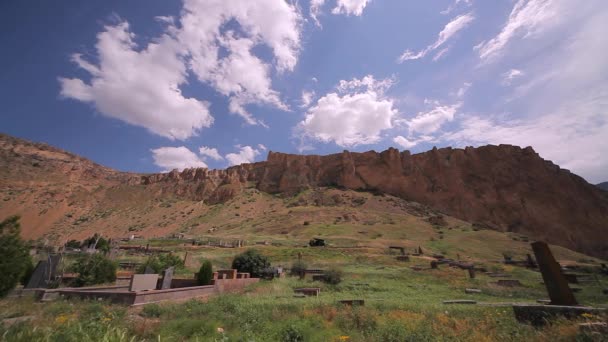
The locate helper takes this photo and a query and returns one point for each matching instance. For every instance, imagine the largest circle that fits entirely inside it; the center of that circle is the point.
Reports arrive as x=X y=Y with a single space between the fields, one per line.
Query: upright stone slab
x=143 y=282
x=555 y=282
x=38 y=278
x=167 y=278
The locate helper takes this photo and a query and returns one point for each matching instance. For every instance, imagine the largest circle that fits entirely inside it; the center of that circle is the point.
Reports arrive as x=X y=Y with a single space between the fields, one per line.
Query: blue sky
x=153 y=85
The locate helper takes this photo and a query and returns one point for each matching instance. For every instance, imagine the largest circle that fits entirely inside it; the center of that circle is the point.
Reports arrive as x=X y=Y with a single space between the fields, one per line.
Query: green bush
x=333 y=276
x=94 y=269
x=252 y=262
x=160 y=262
x=292 y=333
x=205 y=273
x=102 y=244
x=298 y=268
x=73 y=244
x=29 y=270
x=14 y=255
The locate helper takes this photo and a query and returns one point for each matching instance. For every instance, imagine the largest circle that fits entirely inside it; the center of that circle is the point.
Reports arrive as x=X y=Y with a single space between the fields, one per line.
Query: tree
x=205 y=273
x=102 y=244
x=252 y=262
x=73 y=244
x=298 y=268
x=94 y=269
x=14 y=255
x=333 y=276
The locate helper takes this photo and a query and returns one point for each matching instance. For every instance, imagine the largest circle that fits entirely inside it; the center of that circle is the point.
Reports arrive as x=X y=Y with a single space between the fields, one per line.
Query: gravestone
x=44 y=273
x=434 y=264
x=471 y=272
x=508 y=282
x=143 y=282
x=530 y=263
x=555 y=282
x=167 y=278
x=38 y=278
x=420 y=250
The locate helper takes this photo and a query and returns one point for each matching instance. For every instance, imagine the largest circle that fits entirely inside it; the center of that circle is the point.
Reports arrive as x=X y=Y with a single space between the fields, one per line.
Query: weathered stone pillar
x=555 y=281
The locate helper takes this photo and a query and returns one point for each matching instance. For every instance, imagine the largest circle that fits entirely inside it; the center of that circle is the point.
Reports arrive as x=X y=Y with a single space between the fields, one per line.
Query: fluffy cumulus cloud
x=141 y=85
x=210 y=152
x=350 y=7
x=169 y=158
x=452 y=28
x=346 y=7
x=355 y=114
x=246 y=154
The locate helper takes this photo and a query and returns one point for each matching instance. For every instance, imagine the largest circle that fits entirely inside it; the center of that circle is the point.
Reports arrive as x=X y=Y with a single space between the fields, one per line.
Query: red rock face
x=504 y=187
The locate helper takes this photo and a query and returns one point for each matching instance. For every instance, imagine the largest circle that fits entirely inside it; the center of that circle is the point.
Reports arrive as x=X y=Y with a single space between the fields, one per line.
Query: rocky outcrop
x=502 y=187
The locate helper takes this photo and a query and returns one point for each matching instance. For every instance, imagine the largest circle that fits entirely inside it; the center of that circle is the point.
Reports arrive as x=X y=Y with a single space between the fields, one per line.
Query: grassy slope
x=401 y=303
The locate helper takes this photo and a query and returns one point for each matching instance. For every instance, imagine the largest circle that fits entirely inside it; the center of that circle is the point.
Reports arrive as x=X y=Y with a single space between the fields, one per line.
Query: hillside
x=503 y=188
x=603 y=186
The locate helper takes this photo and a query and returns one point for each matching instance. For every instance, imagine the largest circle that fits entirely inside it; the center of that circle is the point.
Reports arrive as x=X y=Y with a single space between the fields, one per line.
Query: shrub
x=298 y=268
x=102 y=244
x=292 y=333
x=158 y=263
x=333 y=276
x=94 y=269
x=73 y=244
x=14 y=255
x=252 y=262
x=205 y=273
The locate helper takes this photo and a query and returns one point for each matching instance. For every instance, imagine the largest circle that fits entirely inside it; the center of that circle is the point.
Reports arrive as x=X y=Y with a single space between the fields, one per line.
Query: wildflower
x=61 y=319
x=344 y=338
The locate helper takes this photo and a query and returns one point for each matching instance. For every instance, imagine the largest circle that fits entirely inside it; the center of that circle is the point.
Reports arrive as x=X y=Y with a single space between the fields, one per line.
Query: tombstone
x=149 y=270
x=167 y=278
x=420 y=250
x=508 y=283
x=147 y=247
x=555 y=282
x=143 y=282
x=530 y=263
x=299 y=255
x=471 y=272
x=38 y=278
x=45 y=272
x=434 y=264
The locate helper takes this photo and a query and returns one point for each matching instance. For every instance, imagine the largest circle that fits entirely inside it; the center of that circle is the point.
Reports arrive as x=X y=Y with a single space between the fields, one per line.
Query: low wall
x=154 y=296
x=121 y=294
x=177 y=283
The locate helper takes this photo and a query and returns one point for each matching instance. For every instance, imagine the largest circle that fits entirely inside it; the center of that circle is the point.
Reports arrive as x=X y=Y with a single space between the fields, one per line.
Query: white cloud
x=348 y=7
x=140 y=87
x=315 y=10
x=246 y=154
x=409 y=143
x=463 y=90
x=457 y=24
x=560 y=107
x=262 y=147
x=169 y=158
x=210 y=152
x=431 y=121
x=510 y=75
x=453 y=6
x=355 y=115
x=307 y=97
x=528 y=18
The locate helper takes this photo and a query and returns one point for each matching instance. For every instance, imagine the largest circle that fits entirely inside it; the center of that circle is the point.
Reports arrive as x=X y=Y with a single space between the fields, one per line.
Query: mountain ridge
x=504 y=187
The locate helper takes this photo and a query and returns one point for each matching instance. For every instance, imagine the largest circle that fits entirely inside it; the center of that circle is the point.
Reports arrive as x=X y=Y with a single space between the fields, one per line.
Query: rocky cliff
x=504 y=187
